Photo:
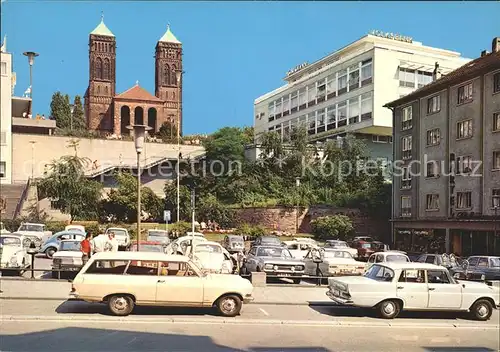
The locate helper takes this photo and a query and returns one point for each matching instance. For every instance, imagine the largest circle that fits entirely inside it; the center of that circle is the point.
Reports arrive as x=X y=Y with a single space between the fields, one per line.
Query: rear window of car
x=396 y=258
x=116 y=267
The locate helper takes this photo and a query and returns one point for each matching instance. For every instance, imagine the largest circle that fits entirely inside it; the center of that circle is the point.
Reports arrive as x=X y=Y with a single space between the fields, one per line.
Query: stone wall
x=285 y=219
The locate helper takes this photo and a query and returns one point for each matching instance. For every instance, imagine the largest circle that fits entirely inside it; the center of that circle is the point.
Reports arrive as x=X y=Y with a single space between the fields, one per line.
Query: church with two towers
x=109 y=112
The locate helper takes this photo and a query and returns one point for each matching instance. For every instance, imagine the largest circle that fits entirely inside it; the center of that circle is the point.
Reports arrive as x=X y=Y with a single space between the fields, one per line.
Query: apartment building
x=446 y=195
x=345 y=91
x=6 y=87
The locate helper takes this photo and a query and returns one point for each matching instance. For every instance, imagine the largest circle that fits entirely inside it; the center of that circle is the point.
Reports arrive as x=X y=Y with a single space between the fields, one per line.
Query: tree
x=65 y=184
x=209 y=208
x=167 y=131
x=78 y=118
x=171 y=201
x=336 y=226
x=60 y=110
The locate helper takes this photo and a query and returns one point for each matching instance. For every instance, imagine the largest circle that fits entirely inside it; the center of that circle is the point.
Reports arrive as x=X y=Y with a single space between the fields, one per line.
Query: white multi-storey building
x=344 y=92
x=6 y=88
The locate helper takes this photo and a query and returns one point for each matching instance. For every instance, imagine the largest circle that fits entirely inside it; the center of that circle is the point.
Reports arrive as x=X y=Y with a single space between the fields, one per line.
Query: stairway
x=12 y=194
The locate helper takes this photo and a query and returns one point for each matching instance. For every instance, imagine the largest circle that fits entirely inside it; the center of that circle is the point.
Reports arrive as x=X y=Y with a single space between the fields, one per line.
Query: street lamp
x=72 y=109
x=32 y=158
x=297 y=184
x=139 y=133
x=31 y=59
x=178 y=75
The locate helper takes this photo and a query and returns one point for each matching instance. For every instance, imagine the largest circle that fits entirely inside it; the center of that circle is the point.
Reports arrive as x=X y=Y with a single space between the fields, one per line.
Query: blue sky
x=233 y=51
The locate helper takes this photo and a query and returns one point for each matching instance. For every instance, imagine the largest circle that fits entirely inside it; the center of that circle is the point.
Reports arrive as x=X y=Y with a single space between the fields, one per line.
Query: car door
x=310 y=266
x=142 y=275
x=370 y=261
x=413 y=289
x=178 y=284
x=443 y=292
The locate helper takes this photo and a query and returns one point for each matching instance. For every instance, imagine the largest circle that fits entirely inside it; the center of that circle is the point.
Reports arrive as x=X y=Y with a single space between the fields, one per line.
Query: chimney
x=436 y=74
x=484 y=53
x=495 y=45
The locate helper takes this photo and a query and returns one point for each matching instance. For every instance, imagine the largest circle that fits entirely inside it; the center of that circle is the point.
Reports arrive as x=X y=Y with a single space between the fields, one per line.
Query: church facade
x=107 y=112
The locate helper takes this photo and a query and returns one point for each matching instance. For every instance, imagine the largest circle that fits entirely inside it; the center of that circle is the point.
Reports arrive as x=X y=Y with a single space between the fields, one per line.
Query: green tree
x=78 y=118
x=171 y=201
x=167 y=132
x=60 y=110
x=209 y=208
x=336 y=226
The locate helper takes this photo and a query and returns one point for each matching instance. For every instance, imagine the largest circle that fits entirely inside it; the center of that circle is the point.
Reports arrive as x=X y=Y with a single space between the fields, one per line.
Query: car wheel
x=297 y=281
x=49 y=252
x=229 y=306
x=389 y=309
x=481 y=310
x=121 y=305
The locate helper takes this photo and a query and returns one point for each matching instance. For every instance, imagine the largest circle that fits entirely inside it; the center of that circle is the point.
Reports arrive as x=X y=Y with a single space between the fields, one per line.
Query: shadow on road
x=79 y=307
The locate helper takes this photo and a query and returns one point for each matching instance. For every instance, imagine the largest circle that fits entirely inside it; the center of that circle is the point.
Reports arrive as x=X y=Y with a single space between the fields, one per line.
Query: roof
x=169 y=37
x=410 y=265
x=101 y=29
x=138 y=93
x=461 y=74
x=139 y=256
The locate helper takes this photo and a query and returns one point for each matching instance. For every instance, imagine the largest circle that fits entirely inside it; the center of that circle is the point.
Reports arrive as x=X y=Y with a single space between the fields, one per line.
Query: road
x=78 y=326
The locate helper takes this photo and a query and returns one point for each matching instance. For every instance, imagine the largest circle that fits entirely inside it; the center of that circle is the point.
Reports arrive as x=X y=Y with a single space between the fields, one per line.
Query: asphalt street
x=79 y=326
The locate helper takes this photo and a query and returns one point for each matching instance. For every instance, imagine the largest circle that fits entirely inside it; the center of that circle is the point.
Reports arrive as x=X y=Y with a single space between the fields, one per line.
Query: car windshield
x=236 y=240
x=31 y=227
x=396 y=258
x=118 y=232
x=337 y=254
x=495 y=262
x=158 y=234
x=209 y=248
x=10 y=241
x=271 y=240
x=339 y=244
x=148 y=248
x=276 y=252
x=70 y=246
x=380 y=273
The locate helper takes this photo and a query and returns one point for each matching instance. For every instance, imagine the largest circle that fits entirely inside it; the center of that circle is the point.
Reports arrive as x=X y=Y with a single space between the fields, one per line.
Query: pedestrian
x=111 y=243
x=85 y=247
x=98 y=244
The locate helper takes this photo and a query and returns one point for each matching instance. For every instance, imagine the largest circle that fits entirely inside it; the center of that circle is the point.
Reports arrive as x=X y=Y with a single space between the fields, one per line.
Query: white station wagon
x=393 y=287
x=125 y=279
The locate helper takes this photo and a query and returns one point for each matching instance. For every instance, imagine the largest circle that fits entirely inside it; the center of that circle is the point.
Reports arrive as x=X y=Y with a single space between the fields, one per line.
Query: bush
x=337 y=226
x=181 y=227
x=251 y=230
x=55 y=226
x=11 y=224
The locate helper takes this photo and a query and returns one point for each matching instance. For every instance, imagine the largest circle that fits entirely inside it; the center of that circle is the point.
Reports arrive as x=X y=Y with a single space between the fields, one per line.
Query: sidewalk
x=59 y=290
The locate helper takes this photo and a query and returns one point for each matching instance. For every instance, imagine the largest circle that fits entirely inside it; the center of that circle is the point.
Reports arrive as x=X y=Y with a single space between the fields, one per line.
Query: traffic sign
x=166 y=215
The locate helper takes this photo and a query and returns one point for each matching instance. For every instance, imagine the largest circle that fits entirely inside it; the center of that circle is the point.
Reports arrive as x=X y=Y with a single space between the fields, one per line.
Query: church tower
x=102 y=79
x=168 y=61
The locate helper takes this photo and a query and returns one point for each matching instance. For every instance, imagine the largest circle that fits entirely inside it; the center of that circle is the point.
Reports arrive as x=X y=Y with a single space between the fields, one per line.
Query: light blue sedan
x=52 y=244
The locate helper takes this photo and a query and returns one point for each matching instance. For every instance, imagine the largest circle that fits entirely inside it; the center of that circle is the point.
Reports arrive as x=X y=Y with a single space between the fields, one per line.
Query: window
x=381 y=139
x=464 y=94
x=2 y=169
x=405 y=177
x=311 y=94
x=407 y=118
x=142 y=267
x=294 y=102
x=321 y=118
x=4 y=68
x=496 y=160
x=354 y=110
x=342 y=110
x=437 y=277
x=271 y=109
x=483 y=262
x=464 y=164
x=176 y=269
x=432 y=202
x=495 y=198
x=412 y=276
x=432 y=169
x=302 y=98
x=366 y=72
x=286 y=105
x=116 y=267
x=353 y=77
x=433 y=104
x=321 y=90
x=406 y=147
x=366 y=106
x=406 y=77
x=473 y=261
x=331 y=86
x=496 y=122
x=433 y=137
x=279 y=107
x=464 y=129
x=464 y=200
x=342 y=83
x=496 y=82
x=331 y=113
x=423 y=78
x=405 y=206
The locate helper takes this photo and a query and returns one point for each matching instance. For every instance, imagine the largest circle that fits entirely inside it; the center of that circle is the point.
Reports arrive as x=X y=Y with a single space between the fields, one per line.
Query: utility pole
x=192 y=211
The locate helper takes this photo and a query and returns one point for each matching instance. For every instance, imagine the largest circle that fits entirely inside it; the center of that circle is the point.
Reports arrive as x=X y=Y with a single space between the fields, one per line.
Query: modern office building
x=345 y=91
x=446 y=195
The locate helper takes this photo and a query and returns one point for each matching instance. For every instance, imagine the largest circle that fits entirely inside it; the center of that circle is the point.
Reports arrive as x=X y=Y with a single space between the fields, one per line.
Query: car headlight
x=268 y=266
x=483 y=277
x=298 y=267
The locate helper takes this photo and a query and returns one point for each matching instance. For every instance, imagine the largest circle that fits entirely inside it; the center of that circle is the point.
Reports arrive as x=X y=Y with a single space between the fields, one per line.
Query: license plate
x=284 y=274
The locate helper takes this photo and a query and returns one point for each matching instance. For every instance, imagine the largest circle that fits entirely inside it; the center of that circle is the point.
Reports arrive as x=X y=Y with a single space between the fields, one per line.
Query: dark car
x=233 y=243
x=267 y=241
x=479 y=268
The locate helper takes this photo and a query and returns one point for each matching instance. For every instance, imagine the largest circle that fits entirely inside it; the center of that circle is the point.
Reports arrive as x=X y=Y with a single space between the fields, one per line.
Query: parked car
x=387 y=257
x=450 y=262
x=233 y=243
x=157 y=235
x=122 y=237
x=34 y=232
x=212 y=257
x=331 y=262
x=72 y=227
x=299 y=249
x=51 y=246
x=3 y=230
x=336 y=244
x=147 y=246
x=68 y=259
x=156 y=280
x=269 y=240
x=14 y=255
x=393 y=287
x=363 y=238
x=378 y=246
x=180 y=245
x=274 y=261
x=479 y=268
x=364 y=248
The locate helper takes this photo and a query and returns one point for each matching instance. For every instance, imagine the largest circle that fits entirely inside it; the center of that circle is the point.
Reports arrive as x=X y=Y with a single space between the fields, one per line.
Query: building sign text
x=393 y=36
x=297 y=68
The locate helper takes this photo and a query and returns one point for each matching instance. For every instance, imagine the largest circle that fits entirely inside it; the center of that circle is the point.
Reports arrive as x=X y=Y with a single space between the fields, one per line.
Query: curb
x=309 y=304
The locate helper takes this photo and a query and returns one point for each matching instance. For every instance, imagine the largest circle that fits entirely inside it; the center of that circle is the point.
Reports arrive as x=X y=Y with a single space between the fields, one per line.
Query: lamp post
x=496 y=206
x=297 y=184
x=72 y=109
x=32 y=158
x=139 y=133
x=178 y=75
x=31 y=59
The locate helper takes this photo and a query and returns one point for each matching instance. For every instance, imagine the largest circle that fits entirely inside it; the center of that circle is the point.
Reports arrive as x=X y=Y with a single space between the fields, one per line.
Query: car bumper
x=284 y=273
x=248 y=299
x=67 y=268
x=7 y=266
x=339 y=300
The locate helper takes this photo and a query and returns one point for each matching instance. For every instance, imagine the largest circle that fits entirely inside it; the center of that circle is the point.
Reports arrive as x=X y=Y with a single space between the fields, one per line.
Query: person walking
x=85 y=247
x=98 y=243
x=111 y=244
